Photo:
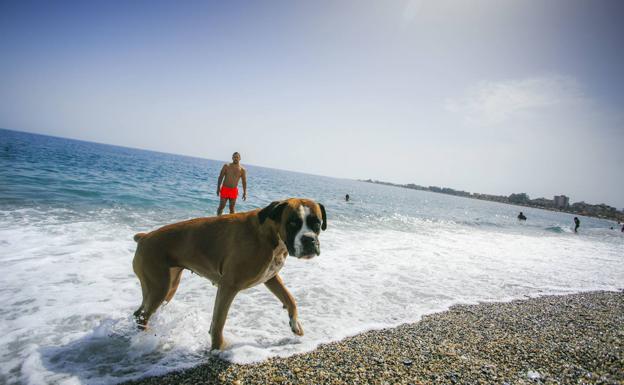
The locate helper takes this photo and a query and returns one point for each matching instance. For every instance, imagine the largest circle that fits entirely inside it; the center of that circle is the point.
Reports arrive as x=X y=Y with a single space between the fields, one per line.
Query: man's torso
x=233 y=174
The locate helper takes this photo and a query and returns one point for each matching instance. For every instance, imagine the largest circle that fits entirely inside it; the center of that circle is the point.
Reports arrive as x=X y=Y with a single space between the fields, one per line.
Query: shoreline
x=618 y=216
x=546 y=340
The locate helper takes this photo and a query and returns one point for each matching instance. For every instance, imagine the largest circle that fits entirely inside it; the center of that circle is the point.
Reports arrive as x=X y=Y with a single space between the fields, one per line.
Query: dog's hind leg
x=138 y=314
x=276 y=286
x=138 y=270
x=155 y=286
x=175 y=273
x=225 y=296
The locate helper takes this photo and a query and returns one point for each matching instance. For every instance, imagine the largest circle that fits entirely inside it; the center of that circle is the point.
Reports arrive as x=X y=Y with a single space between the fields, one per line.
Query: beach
x=570 y=339
x=390 y=256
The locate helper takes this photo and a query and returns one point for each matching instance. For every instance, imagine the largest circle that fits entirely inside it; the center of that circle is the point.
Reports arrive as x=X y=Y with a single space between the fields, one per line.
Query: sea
x=69 y=210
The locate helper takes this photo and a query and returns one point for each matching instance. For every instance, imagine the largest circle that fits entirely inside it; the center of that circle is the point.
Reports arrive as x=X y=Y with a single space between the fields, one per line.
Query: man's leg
x=221 y=206
x=232 y=206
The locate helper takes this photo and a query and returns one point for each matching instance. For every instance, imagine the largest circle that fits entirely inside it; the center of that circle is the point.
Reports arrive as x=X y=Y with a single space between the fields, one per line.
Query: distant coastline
x=602 y=210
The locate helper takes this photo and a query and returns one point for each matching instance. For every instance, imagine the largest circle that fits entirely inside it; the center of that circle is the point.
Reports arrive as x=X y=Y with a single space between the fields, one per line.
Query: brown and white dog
x=234 y=251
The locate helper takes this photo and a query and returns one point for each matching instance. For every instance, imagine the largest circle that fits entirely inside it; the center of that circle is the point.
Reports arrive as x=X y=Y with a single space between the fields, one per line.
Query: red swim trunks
x=229 y=192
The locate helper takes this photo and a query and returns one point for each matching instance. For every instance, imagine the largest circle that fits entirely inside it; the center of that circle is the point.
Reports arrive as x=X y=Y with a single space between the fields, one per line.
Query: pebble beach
x=571 y=339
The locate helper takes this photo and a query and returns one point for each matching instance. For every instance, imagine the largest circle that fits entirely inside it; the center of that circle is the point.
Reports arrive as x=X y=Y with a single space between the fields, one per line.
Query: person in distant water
x=623 y=228
x=577 y=223
x=229 y=176
x=521 y=217
x=347 y=197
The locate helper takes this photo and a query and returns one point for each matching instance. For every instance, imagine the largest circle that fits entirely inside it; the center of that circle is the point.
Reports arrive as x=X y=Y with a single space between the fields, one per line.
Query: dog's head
x=300 y=222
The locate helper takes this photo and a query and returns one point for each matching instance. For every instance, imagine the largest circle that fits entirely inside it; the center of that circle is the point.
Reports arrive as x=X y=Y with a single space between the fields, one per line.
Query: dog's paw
x=219 y=344
x=296 y=327
x=140 y=321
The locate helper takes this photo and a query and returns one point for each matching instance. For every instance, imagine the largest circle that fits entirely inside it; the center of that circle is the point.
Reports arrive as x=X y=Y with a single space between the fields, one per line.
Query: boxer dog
x=235 y=252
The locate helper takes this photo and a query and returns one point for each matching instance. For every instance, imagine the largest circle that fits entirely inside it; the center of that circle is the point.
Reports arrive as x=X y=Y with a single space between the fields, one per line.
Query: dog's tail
x=139 y=236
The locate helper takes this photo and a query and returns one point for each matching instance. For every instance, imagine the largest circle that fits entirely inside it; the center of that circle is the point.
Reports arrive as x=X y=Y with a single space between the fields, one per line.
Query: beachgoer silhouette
x=521 y=217
x=347 y=197
x=577 y=223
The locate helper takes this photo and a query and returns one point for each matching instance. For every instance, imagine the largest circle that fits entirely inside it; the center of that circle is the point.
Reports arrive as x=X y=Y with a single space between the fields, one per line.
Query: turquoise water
x=69 y=209
x=48 y=173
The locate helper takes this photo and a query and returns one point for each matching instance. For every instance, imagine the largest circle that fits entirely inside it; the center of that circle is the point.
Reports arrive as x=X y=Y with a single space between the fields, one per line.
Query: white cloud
x=492 y=103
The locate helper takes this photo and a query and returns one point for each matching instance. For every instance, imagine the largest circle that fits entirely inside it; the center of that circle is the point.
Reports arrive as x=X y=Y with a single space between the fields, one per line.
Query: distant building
x=561 y=201
x=602 y=210
x=520 y=198
x=542 y=202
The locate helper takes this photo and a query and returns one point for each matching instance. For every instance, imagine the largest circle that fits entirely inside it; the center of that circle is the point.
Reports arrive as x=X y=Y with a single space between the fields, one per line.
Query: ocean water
x=69 y=209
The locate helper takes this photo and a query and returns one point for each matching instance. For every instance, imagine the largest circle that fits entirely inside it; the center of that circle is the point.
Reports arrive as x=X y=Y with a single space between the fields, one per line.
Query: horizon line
x=250 y=164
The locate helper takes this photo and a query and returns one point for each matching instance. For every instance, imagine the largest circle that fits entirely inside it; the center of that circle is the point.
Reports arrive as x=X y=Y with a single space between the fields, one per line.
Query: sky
x=494 y=97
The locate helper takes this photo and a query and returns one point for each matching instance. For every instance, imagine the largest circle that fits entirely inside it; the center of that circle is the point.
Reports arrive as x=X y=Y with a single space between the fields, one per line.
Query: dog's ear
x=272 y=211
x=324 y=225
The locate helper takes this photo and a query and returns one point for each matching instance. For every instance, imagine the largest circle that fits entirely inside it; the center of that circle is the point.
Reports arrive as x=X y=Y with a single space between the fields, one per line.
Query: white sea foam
x=68 y=290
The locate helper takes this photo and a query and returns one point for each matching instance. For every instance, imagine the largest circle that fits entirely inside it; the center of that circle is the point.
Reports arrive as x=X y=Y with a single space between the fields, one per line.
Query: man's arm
x=244 y=178
x=221 y=175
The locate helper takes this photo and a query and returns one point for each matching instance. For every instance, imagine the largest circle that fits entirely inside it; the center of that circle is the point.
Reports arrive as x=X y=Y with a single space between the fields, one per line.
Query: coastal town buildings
x=558 y=203
x=542 y=202
x=561 y=201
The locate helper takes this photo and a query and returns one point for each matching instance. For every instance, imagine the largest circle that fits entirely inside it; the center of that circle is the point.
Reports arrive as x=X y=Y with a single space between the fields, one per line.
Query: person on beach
x=577 y=223
x=347 y=197
x=229 y=176
x=521 y=217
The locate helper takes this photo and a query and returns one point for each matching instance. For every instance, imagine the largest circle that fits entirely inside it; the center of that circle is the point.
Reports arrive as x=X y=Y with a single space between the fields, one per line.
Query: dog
x=235 y=252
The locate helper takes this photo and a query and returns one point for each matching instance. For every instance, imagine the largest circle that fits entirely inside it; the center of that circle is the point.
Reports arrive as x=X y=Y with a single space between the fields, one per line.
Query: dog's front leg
x=225 y=296
x=276 y=285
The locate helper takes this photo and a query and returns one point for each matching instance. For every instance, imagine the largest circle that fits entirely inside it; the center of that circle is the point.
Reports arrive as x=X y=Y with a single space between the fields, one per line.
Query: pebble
x=572 y=339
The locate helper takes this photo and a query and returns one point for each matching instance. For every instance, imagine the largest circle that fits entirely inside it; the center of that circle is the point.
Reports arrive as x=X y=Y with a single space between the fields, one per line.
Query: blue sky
x=485 y=96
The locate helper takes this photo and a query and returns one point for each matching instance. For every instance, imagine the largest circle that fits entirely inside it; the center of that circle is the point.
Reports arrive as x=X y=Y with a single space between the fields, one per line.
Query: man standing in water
x=577 y=223
x=230 y=175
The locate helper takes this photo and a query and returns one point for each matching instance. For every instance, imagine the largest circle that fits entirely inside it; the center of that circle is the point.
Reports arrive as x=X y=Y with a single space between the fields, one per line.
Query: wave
x=558 y=229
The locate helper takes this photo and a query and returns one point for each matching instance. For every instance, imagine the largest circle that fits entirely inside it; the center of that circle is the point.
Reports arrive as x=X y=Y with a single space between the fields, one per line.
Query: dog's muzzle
x=310 y=246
